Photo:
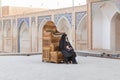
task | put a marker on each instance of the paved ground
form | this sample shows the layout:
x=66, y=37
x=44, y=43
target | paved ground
x=32, y=68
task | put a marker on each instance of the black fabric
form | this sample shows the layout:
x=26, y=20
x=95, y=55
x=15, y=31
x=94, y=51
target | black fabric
x=63, y=43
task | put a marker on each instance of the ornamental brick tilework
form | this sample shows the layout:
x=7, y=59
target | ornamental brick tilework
x=67, y=16
x=40, y=18
x=20, y=20
x=78, y=17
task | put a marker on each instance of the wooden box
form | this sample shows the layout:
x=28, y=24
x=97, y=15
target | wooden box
x=51, y=38
x=56, y=56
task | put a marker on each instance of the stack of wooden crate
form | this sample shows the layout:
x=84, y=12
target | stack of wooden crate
x=51, y=38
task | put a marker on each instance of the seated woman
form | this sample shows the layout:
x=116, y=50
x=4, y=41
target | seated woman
x=67, y=50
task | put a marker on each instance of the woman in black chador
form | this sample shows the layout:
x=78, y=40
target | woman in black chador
x=67, y=50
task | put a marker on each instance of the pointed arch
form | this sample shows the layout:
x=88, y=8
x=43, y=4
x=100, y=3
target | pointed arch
x=63, y=25
x=101, y=17
x=115, y=32
x=7, y=37
x=40, y=28
x=81, y=34
x=23, y=38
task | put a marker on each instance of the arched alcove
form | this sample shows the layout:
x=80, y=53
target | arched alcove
x=7, y=37
x=81, y=34
x=40, y=35
x=97, y=27
x=101, y=25
x=63, y=25
x=115, y=32
x=24, y=39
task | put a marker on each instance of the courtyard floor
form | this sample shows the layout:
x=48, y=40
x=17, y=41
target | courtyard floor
x=32, y=68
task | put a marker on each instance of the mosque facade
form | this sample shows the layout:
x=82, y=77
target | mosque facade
x=92, y=26
x=23, y=33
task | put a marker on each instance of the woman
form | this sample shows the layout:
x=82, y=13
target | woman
x=67, y=50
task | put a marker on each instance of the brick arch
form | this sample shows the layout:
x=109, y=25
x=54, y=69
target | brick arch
x=81, y=34
x=63, y=25
x=101, y=17
x=115, y=32
x=7, y=37
x=23, y=38
x=40, y=28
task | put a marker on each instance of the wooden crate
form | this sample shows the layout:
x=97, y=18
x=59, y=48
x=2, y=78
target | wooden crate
x=51, y=38
x=46, y=54
x=56, y=56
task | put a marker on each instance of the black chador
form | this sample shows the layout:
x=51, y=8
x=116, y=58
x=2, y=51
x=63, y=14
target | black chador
x=67, y=50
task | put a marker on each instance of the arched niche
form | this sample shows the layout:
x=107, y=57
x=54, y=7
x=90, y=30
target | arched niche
x=7, y=37
x=81, y=34
x=115, y=32
x=64, y=26
x=101, y=17
x=23, y=38
x=43, y=22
